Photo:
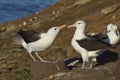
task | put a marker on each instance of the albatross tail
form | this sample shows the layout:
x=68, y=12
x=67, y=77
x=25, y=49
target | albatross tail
x=101, y=51
x=17, y=39
x=96, y=53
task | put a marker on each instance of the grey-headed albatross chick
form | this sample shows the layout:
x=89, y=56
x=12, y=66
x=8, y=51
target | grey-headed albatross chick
x=34, y=41
x=88, y=47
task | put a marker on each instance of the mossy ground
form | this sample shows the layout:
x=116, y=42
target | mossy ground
x=90, y=12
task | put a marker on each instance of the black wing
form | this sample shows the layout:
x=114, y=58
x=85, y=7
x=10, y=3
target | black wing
x=100, y=36
x=29, y=36
x=92, y=44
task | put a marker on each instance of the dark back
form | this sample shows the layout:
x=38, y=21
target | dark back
x=29, y=36
x=92, y=44
x=100, y=36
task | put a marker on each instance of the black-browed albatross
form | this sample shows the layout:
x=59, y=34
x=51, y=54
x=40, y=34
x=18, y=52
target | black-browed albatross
x=88, y=47
x=34, y=41
x=112, y=31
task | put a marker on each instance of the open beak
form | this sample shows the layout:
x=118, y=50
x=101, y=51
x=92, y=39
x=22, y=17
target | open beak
x=63, y=26
x=70, y=26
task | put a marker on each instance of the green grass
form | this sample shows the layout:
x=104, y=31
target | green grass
x=23, y=74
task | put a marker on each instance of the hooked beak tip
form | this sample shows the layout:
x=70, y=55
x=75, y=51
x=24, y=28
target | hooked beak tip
x=63, y=26
x=70, y=26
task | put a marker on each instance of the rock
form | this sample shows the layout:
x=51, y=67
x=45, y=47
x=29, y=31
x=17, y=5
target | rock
x=11, y=65
x=3, y=65
x=82, y=2
x=4, y=55
x=45, y=70
x=17, y=55
x=11, y=28
x=16, y=50
x=36, y=12
x=113, y=17
x=56, y=76
x=7, y=52
x=2, y=29
x=30, y=19
x=11, y=61
x=24, y=23
x=73, y=76
x=35, y=18
x=108, y=10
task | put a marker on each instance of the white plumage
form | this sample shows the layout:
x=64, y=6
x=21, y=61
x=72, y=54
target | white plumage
x=88, y=47
x=34, y=42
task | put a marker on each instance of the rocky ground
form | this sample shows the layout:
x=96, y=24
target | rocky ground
x=16, y=64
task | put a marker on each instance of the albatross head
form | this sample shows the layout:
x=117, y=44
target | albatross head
x=55, y=30
x=109, y=26
x=79, y=25
x=80, y=29
x=113, y=28
x=113, y=34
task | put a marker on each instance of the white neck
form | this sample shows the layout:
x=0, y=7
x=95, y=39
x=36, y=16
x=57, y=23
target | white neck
x=113, y=37
x=79, y=34
x=51, y=37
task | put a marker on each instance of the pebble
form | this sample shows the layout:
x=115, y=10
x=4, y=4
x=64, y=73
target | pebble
x=113, y=17
x=108, y=10
x=24, y=23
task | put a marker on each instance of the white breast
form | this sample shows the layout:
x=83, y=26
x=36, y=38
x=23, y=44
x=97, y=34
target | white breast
x=114, y=39
x=77, y=47
x=41, y=44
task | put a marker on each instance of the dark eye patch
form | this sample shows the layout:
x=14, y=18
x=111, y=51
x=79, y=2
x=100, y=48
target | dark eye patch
x=80, y=22
x=55, y=29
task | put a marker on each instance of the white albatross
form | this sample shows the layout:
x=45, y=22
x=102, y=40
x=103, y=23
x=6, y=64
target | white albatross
x=88, y=47
x=34, y=41
x=112, y=31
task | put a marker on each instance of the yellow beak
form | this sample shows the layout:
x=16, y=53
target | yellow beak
x=63, y=26
x=70, y=26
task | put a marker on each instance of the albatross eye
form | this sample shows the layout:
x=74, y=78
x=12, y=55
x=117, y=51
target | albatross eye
x=55, y=29
x=80, y=22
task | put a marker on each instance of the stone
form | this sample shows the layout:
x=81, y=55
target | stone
x=3, y=65
x=11, y=28
x=113, y=17
x=16, y=50
x=82, y=2
x=12, y=61
x=11, y=65
x=56, y=76
x=24, y=23
x=47, y=70
x=110, y=9
x=2, y=29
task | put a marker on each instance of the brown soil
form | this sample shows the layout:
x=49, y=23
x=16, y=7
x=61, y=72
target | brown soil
x=19, y=66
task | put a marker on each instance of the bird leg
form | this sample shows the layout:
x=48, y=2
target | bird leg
x=94, y=59
x=33, y=57
x=41, y=58
x=91, y=63
x=86, y=67
x=90, y=67
x=44, y=60
x=83, y=65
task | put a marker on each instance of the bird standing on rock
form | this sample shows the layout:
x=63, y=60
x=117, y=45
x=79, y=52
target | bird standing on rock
x=88, y=47
x=34, y=41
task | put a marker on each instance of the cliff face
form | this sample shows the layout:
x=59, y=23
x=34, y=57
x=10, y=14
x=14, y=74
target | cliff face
x=16, y=64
